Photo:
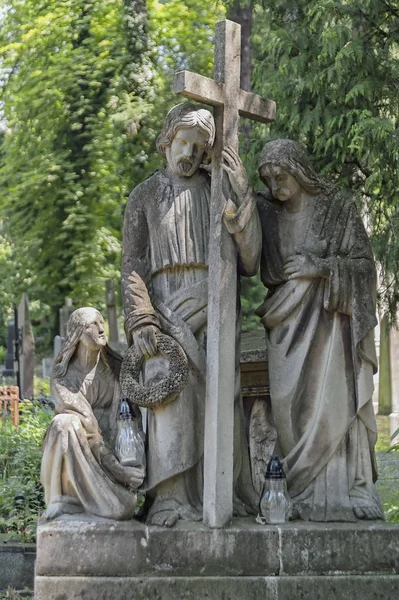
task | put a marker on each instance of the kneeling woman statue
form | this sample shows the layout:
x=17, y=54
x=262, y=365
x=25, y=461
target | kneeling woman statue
x=80, y=471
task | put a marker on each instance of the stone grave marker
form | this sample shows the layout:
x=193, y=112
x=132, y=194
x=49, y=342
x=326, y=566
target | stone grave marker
x=26, y=349
x=394, y=355
x=58, y=341
x=47, y=365
x=10, y=356
x=65, y=313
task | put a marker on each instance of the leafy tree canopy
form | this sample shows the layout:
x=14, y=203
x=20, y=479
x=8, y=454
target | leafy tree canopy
x=66, y=71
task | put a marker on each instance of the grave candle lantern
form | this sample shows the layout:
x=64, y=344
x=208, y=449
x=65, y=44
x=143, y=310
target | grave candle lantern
x=275, y=504
x=129, y=445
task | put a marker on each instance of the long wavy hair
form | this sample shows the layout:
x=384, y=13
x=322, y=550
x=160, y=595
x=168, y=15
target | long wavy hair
x=292, y=158
x=77, y=323
x=186, y=115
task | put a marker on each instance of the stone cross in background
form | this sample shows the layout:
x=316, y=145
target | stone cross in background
x=230, y=102
x=26, y=349
x=112, y=316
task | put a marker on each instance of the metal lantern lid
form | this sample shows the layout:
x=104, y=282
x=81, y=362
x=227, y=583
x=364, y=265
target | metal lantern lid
x=274, y=469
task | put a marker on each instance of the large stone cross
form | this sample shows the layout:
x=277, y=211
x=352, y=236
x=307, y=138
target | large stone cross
x=229, y=102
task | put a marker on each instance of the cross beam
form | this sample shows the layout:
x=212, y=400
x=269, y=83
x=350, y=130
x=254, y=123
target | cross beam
x=229, y=102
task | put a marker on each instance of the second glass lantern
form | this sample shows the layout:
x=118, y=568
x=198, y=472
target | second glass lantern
x=275, y=504
x=129, y=445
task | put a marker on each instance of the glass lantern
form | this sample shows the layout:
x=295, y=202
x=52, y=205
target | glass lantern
x=129, y=445
x=275, y=504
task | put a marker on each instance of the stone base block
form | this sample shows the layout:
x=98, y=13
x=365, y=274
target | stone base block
x=89, y=558
x=385, y=587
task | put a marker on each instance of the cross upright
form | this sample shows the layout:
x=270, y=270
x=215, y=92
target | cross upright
x=230, y=102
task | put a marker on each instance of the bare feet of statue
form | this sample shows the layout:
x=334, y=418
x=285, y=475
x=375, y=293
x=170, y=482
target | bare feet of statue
x=164, y=518
x=369, y=512
x=166, y=512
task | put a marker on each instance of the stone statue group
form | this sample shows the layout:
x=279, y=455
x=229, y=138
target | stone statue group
x=319, y=314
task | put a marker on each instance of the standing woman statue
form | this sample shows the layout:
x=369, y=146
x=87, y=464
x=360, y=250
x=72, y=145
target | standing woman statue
x=319, y=316
x=80, y=472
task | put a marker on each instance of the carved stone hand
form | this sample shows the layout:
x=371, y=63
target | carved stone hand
x=233, y=166
x=145, y=340
x=129, y=476
x=300, y=266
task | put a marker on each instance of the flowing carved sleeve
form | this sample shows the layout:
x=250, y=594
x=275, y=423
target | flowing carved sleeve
x=351, y=287
x=67, y=400
x=136, y=266
x=244, y=225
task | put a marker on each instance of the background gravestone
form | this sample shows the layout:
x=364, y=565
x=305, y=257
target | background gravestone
x=65, y=313
x=27, y=349
x=58, y=341
x=10, y=356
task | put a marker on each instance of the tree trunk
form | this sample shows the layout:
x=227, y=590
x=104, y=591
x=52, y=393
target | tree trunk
x=244, y=16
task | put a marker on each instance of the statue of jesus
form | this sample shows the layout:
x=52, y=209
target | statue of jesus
x=165, y=245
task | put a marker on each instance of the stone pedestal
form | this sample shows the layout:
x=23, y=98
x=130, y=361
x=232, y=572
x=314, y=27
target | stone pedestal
x=394, y=416
x=97, y=559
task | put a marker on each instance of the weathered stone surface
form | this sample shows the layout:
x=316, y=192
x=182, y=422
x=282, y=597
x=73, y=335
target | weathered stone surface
x=319, y=359
x=394, y=416
x=106, y=548
x=79, y=472
x=166, y=588
x=16, y=565
x=218, y=588
x=338, y=588
x=310, y=549
x=170, y=245
x=119, y=549
x=103, y=559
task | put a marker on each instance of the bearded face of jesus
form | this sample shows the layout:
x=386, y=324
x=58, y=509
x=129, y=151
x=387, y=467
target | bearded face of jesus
x=187, y=150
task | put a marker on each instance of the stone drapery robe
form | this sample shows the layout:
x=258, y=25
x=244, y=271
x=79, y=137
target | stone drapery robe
x=166, y=240
x=80, y=434
x=322, y=356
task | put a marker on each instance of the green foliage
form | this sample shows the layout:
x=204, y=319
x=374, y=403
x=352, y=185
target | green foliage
x=392, y=512
x=332, y=67
x=11, y=594
x=253, y=293
x=396, y=445
x=84, y=89
x=66, y=72
x=41, y=387
x=181, y=34
x=21, y=495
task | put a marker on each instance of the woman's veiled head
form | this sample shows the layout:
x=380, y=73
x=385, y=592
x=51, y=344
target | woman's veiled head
x=291, y=157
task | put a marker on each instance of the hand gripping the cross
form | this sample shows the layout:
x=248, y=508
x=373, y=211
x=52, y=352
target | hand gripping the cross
x=233, y=166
